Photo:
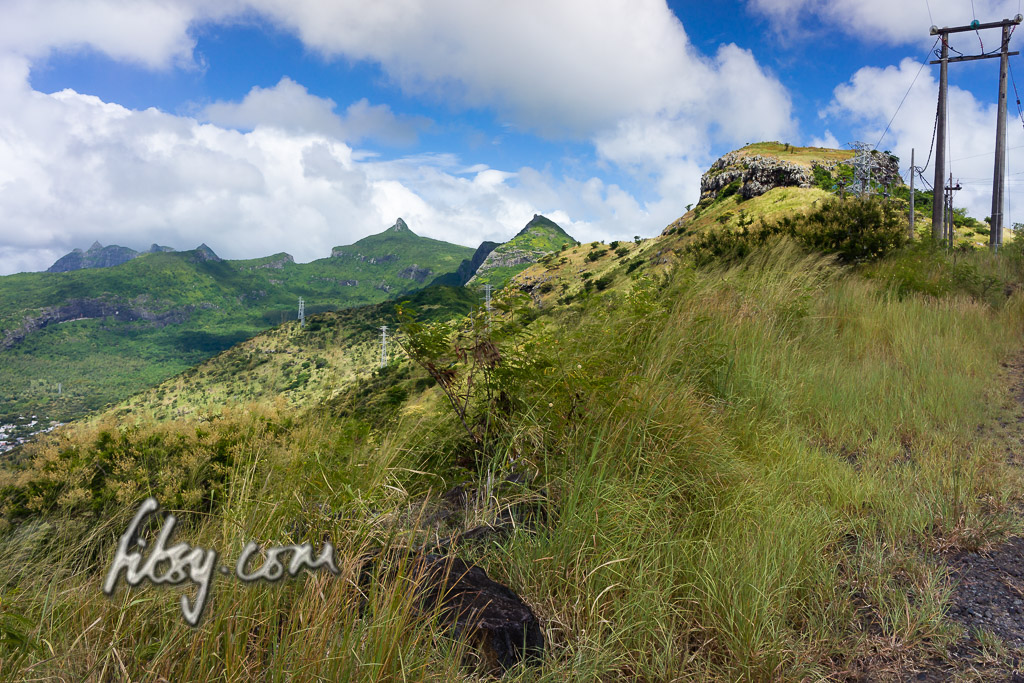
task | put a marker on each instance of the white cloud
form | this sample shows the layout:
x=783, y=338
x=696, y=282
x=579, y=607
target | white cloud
x=870, y=97
x=827, y=140
x=906, y=21
x=74, y=169
x=290, y=107
x=623, y=76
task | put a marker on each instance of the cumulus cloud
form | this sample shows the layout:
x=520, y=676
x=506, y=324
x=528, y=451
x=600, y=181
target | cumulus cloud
x=280, y=162
x=868, y=99
x=883, y=20
x=74, y=169
x=291, y=107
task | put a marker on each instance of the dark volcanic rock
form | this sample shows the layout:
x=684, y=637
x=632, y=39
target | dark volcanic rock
x=467, y=269
x=78, y=309
x=97, y=256
x=472, y=605
x=415, y=273
x=204, y=253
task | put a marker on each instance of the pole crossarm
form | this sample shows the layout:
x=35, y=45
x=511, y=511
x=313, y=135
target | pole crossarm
x=971, y=58
x=942, y=210
x=978, y=27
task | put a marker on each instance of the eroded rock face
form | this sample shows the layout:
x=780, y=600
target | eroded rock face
x=415, y=273
x=77, y=309
x=758, y=174
x=97, y=256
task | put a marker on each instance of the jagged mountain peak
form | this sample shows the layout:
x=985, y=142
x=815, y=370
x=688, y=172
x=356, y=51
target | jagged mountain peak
x=400, y=226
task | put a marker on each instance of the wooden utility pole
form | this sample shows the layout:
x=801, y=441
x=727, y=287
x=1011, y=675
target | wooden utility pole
x=913, y=170
x=938, y=200
x=999, y=178
x=995, y=235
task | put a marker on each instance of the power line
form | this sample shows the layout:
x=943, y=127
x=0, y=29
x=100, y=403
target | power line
x=906, y=94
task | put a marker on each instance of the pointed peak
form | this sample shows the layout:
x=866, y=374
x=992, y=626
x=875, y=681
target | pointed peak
x=399, y=226
x=204, y=253
x=539, y=221
x=96, y=246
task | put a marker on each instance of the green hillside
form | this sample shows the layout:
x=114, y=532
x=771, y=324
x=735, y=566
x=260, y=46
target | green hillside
x=73, y=342
x=540, y=236
x=768, y=450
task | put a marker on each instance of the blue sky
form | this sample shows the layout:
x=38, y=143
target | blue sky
x=259, y=126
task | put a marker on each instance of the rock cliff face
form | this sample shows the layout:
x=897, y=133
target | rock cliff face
x=415, y=273
x=97, y=256
x=467, y=269
x=758, y=174
x=78, y=309
x=540, y=236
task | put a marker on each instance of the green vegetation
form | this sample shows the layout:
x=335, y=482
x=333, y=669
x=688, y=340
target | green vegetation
x=540, y=236
x=735, y=454
x=160, y=313
x=741, y=467
x=804, y=156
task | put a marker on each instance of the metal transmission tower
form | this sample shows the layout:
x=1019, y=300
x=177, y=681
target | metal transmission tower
x=302, y=312
x=998, y=177
x=383, y=345
x=864, y=164
x=487, y=297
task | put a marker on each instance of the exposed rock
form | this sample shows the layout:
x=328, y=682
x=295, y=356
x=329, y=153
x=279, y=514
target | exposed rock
x=204, y=253
x=97, y=256
x=415, y=273
x=467, y=269
x=541, y=236
x=470, y=605
x=78, y=309
x=399, y=226
x=384, y=287
x=278, y=263
x=758, y=174
x=156, y=248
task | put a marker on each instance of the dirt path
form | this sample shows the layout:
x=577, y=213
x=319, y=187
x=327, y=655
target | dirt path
x=988, y=595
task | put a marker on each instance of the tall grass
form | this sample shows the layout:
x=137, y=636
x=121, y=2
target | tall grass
x=746, y=472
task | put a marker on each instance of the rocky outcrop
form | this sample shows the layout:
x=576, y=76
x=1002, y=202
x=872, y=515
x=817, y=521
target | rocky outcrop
x=415, y=273
x=467, y=269
x=278, y=263
x=541, y=236
x=757, y=174
x=97, y=256
x=80, y=309
x=204, y=253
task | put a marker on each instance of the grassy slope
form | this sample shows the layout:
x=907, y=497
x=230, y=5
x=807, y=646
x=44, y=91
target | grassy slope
x=747, y=470
x=100, y=362
x=803, y=156
x=299, y=366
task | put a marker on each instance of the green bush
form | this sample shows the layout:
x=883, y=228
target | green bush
x=854, y=229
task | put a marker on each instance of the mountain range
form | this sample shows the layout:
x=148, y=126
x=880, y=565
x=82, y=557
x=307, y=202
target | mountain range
x=103, y=323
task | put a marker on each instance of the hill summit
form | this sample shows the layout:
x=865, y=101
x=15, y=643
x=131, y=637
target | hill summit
x=539, y=237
